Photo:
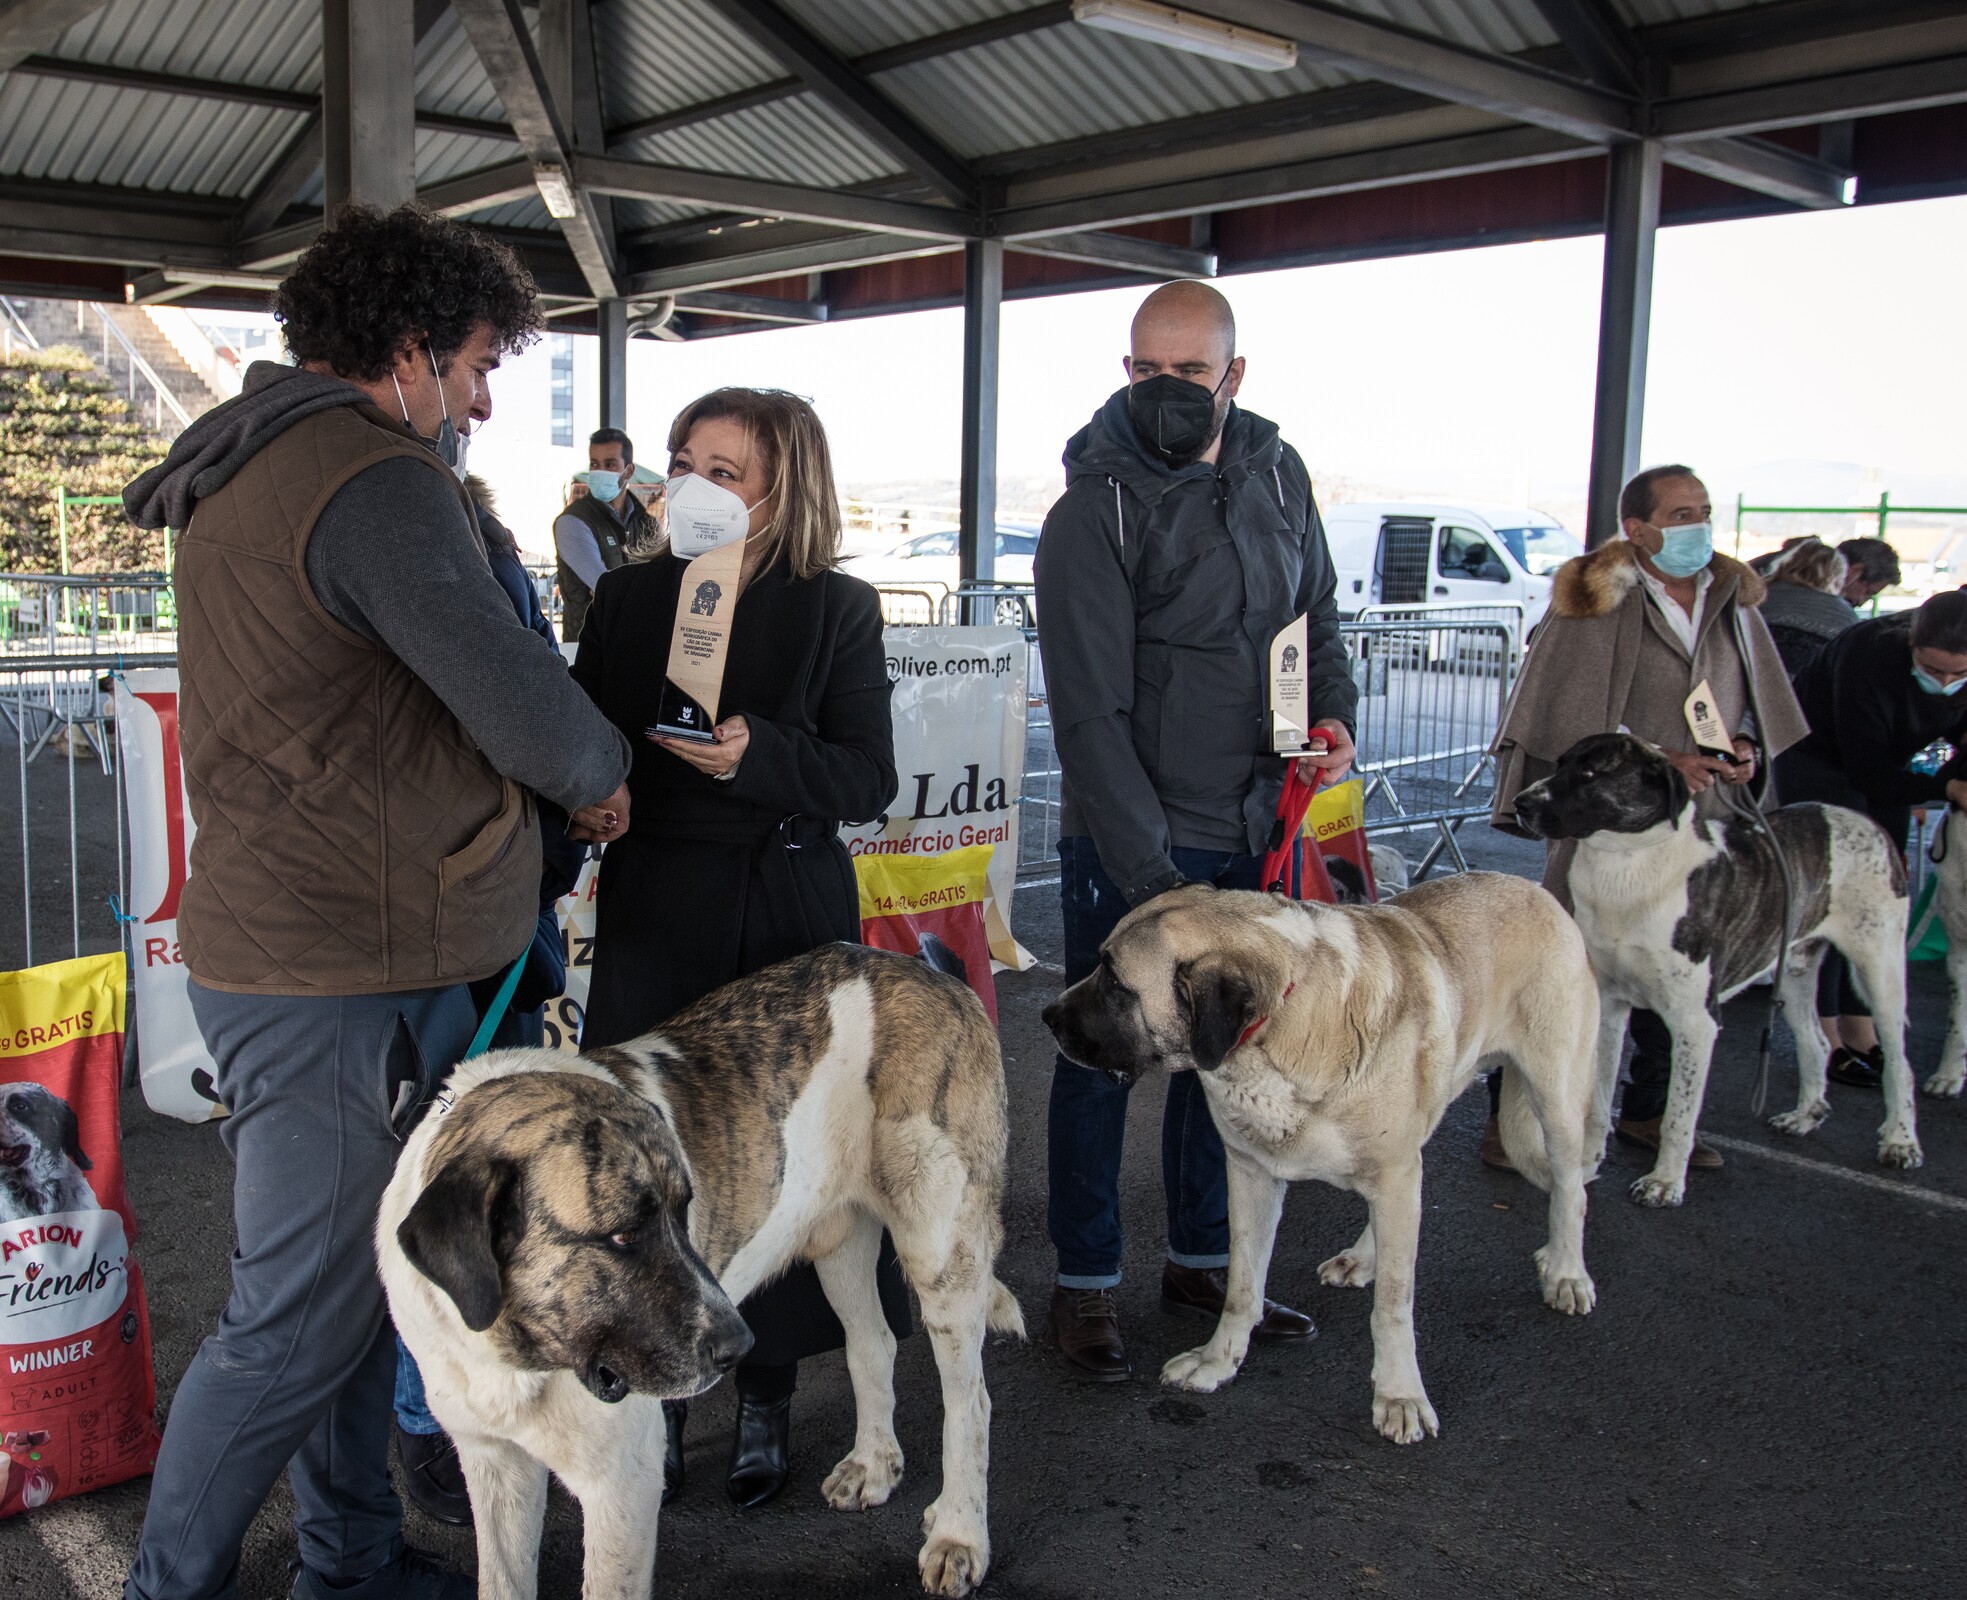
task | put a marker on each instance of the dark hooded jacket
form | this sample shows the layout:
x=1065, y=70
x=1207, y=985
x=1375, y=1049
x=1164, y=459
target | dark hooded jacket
x=1159, y=592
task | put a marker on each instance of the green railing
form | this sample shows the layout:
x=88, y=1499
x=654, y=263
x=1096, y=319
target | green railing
x=63, y=500
x=1881, y=512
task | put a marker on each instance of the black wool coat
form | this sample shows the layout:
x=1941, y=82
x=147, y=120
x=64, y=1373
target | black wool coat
x=716, y=880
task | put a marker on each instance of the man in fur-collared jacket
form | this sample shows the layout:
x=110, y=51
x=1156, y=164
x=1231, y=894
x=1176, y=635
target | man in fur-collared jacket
x=1633, y=629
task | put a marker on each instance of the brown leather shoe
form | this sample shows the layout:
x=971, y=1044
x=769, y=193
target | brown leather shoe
x=1086, y=1329
x=1198, y=1292
x=1647, y=1135
x=1493, y=1153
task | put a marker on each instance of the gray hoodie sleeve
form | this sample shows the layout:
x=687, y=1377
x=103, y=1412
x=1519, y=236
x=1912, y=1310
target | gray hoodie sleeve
x=1086, y=640
x=394, y=558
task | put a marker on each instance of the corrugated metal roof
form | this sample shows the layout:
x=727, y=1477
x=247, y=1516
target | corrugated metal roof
x=1647, y=13
x=1069, y=82
x=87, y=133
x=796, y=140
x=1505, y=26
x=450, y=77
x=231, y=41
x=658, y=58
x=860, y=27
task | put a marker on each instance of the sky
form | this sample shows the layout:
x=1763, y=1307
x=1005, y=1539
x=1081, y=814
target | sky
x=1809, y=356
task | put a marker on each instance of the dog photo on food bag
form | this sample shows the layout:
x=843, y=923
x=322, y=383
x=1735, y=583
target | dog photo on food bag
x=41, y=1156
x=565, y=1240
x=1330, y=1040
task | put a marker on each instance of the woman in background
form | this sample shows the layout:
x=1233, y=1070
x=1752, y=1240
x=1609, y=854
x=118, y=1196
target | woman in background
x=734, y=860
x=1806, y=608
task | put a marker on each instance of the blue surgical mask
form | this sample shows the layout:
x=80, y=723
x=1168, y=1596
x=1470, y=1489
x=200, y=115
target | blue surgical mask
x=1932, y=685
x=604, y=485
x=1685, y=548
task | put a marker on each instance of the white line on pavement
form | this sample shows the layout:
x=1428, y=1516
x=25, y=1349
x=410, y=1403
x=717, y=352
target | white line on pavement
x=1864, y=1180
x=1037, y=883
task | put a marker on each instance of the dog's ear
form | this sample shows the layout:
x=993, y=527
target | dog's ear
x=450, y=1232
x=1221, y=1004
x=69, y=1134
x=1678, y=796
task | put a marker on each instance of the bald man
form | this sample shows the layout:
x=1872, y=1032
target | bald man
x=1186, y=538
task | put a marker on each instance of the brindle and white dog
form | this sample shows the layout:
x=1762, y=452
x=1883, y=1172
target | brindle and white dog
x=1681, y=914
x=1330, y=1040
x=565, y=1239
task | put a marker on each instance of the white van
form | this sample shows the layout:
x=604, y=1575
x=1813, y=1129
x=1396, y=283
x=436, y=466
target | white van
x=1411, y=553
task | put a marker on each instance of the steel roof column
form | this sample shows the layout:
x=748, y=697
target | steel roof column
x=368, y=103
x=983, y=299
x=1632, y=219
x=611, y=321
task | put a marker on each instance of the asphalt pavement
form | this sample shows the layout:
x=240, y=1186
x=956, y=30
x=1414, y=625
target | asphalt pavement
x=1768, y=1400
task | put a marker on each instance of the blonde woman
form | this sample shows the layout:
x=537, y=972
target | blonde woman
x=1806, y=609
x=734, y=860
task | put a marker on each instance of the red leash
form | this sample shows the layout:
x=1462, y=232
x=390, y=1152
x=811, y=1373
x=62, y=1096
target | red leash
x=1283, y=854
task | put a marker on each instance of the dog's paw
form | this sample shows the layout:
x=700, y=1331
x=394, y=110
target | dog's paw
x=1656, y=1191
x=1199, y=1371
x=1804, y=1119
x=1945, y=1085
x=1405, y=1420
x=860, y=1482
x=1345, y=1271
x=1572, y=1293
x=1900, y=1150
x=951, y=1566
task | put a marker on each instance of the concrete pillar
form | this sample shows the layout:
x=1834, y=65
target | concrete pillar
x=368, y=102
x=983, y=299
x=612, y=324
x=1625, y=307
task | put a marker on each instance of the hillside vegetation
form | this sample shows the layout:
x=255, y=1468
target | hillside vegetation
x=62, y=424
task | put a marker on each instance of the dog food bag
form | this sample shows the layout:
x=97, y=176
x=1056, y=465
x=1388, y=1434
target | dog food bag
x=932, y=907
x=78, y=1399
x=1337, y=821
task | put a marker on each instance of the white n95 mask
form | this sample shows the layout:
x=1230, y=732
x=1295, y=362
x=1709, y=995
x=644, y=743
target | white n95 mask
x=702, y=515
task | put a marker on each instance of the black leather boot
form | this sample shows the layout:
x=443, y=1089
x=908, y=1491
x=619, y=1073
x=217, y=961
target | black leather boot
x=761, y=1452
x=674, y=1414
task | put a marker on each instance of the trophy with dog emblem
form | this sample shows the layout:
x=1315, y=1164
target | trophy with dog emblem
x=1290, y=714
x=701, y=636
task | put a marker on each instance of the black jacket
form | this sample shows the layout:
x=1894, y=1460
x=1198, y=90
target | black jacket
x=1868, y=718
x=1159, y=592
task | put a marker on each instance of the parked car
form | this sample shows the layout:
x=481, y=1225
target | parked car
x=928, y=562
x=1398, y=553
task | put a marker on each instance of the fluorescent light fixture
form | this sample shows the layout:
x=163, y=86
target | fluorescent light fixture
x=556, y=190
x=1185, y=30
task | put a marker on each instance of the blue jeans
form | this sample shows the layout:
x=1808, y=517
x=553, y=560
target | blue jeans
x=412, y=1410
x=1089, y=1110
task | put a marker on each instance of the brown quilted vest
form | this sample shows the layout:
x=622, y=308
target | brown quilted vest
x=614, y=540
x=351, y=839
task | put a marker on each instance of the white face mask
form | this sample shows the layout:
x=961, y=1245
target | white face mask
x=449, y=444
x=702, y=515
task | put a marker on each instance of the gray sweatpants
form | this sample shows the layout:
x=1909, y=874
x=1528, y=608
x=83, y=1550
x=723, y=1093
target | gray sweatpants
x=321, y=1093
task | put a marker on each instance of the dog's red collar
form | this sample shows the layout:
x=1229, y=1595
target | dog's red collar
x=1250, y=1032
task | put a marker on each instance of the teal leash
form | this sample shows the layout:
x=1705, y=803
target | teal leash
x=482, y=1039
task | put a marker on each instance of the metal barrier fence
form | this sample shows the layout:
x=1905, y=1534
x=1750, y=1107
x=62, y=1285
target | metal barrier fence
x=1433, y=682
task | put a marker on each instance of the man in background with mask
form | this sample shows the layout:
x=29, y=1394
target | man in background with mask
x=1634, y=628
x=1187, y=538
x=364, y=721
x=596, y=531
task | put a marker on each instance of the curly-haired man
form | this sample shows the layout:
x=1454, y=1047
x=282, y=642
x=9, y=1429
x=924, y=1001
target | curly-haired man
x=364, y=724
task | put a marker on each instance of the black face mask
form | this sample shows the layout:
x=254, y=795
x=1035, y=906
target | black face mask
x=1175, y=419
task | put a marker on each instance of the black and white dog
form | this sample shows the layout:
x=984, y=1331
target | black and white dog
x=41, y=1158
x=1680, y=914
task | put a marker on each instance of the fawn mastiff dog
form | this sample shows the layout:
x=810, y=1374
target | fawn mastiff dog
x=1330, y=1040
x=566, y=1238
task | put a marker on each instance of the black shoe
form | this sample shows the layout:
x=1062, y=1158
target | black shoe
x=1857, y=1069
x=433, y=1477
x=674, y=1413
x=761, y=1452
x=411, y=1576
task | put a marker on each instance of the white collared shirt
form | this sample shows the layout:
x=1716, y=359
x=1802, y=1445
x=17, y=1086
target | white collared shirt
x=1686, y=625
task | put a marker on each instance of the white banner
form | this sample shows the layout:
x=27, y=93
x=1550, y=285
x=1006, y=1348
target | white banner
x=173, y=1065
x=959, y=710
